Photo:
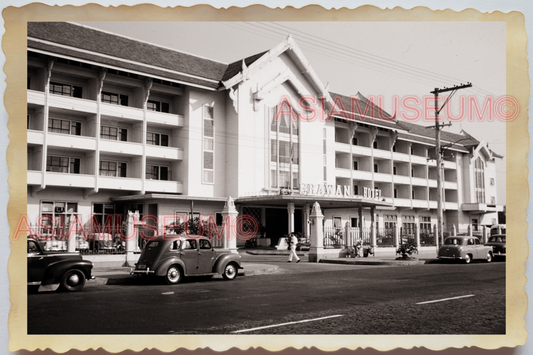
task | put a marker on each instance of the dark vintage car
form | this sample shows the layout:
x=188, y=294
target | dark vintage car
x=48, y=271
x=466, y=248
x=174, y=257
x=497, y=242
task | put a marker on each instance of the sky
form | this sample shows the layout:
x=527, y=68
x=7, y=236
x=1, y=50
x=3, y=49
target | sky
x=386, y=60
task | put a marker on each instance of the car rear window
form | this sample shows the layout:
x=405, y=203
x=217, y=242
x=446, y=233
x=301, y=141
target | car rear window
x=152, y=245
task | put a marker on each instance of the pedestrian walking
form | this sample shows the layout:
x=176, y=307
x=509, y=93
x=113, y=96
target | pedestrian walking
x=293, y=241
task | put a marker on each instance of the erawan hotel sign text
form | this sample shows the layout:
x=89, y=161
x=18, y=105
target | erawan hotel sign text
x=339, y=191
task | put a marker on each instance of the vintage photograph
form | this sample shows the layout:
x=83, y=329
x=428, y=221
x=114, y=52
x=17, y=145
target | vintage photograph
x=253, y=178
x=266, y=178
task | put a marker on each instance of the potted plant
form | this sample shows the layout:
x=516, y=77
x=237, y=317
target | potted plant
x=406, y=249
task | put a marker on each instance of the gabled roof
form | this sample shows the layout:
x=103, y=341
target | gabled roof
x=235, y=67
x=90, y=44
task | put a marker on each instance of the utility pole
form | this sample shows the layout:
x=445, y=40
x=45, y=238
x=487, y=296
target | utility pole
x=438, y=126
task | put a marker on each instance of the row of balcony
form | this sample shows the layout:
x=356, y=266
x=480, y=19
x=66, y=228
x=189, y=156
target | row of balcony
x=104, y=182
x=106, y=109
x=108, y=146
x=389, y=178
x=430, y=204
x=386, y=154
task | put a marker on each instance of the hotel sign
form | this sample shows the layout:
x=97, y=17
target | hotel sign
x=338, y=191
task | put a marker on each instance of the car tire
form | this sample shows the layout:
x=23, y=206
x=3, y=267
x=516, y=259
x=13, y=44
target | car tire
x=489, y=257
x=73, y=280
x=468, y=258
x=230, y=271
x=174, y=275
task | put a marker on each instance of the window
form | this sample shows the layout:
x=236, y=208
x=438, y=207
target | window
x=284, y=147
x=157, y=139
x=475, y=224
x=393, y=170
x=114, y=133
x=479, y=172
x=491, y=181
x=413, y=194
x=411, y=150
x=353, y=222
x=493, y=200
x=355, y=165
x=65, y=165
x=158, y=106
x=57, y=216
x=375, y=168
x=356, y=190
x=209, y=145
x=56, y=125
x=111, y=168
x=375, y=145
x=105, y=216
x=116, y=99
x=65, y=89
x=413, y=172
x=390, y=221
x=354, y=141
x=155, y=172
x=337, y=222
x=395, y=193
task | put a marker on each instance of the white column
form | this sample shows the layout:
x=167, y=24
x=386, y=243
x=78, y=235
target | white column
x=417, y=231
x=290, y=210
x=373, y=226
x=316, y=252
x=229, y=216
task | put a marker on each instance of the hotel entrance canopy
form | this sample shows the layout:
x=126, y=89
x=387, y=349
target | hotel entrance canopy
x=323, y=201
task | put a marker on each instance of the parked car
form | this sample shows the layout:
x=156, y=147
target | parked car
x=176, y=256
x=50, y=271
x=465, y=248
x=497, y=242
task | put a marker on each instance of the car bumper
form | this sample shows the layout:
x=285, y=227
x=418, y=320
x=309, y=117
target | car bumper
x=141, y=272
x=449, y=257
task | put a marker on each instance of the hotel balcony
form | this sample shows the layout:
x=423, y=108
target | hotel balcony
x=449, y=165
x=384, y=154
x=450, y=185
x=382, y=177
x=35, y=137
x=154, y=151
x=73, y=180
x=419, y=181
x=71, y=141
x=415, y=159
x=166, y=119
x=451, y=205
x=400, y=156
x=164, y=186
x=35, y=97
x=71, y=103
x=361, y=175
x=121, y=111
x=420, y=204
x=129, y=148
x=481, y=207
x=119, y=183
x=400, y=179
x=402, y=202
x=34, y=177
x=433, y=204
x=360, y=150
x=342, y=173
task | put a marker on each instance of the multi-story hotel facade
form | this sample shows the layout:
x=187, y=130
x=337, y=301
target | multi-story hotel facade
x=116, y=125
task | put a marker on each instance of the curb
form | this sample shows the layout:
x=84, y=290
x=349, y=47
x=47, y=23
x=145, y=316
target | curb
x=373, y=262
x=274, y=252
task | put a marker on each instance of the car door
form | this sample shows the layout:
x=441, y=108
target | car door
x=480, y=249
x=37, y=263
x=189, y=256
x=206, y=257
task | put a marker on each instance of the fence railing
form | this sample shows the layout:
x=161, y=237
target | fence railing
x=385, y=237
x=334, y=237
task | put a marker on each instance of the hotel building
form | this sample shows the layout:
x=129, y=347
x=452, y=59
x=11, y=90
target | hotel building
x=118, y=125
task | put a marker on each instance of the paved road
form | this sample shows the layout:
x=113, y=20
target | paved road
x=305, y=290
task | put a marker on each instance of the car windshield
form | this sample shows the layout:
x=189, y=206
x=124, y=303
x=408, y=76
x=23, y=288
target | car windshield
x=497, y=239
x=152, y=244
x=451, y=241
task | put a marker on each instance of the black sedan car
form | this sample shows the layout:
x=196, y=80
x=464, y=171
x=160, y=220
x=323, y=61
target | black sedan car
x=497, y=242
x=50, y=271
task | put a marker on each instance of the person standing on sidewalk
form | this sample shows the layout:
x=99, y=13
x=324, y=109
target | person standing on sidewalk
x=293, y=241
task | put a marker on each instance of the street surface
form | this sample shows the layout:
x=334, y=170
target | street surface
x=331, y=299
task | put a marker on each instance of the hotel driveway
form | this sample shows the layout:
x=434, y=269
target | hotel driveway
x=309, y=291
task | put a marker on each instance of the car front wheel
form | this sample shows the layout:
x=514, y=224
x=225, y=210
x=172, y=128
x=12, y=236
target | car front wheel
x=73, y=280
x=173, y=275
x=468, y=259
x=230, y=272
